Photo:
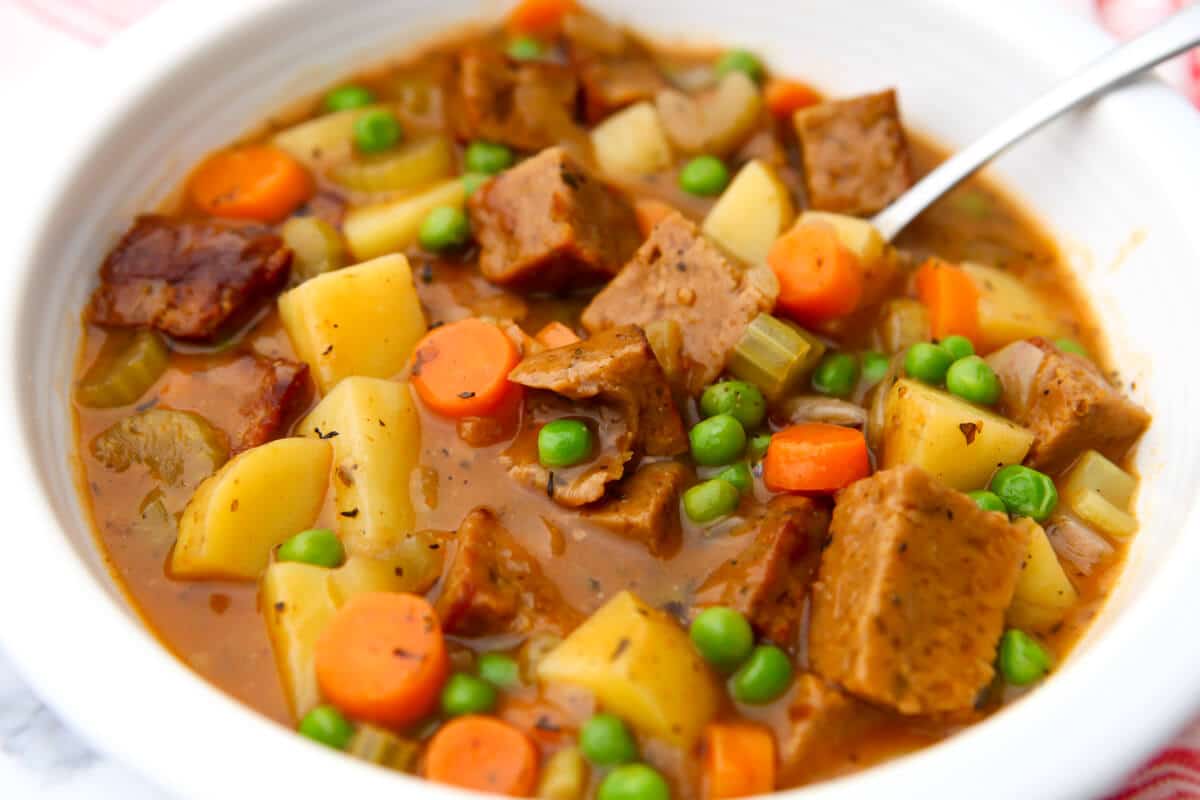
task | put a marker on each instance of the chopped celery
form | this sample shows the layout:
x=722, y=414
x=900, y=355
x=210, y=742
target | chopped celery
x=1096, y=510
x=1099, y=492
x=179, y=448
x=316, y=247
x=384, y=748
x=121, y=375
x=774, y=355
x=902, y=323
x=411, y=166
x=564, y=777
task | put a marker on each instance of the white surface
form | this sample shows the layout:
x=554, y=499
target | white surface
x=1123, y=166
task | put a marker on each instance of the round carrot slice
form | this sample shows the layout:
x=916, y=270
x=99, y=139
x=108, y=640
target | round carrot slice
x=259, y=183
x=819, y=279
x=461, y=369
x=484, y=754
x=383, y=658
x=815, y=457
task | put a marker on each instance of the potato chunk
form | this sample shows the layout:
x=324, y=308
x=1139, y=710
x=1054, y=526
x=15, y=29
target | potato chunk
x=632, y=143
x=641, y=666
x=254, y=503
x=956, y=442
x=1008, y=309
x=1044, y=593
x=858, y=236
x=751, y=214
x=373, y=427
x=389, y=227
x=363, y=320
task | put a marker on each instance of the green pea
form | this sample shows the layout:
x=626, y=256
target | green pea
x=723, y=637
x=836, y=375
x=605, y=740
x=988, y=501
x=739, y=475
x=1025, y=492
x=741, y=61
x=466, y=694
x=758, y=446
x=958, y=346
x=634, y=782
x=376, y=131
x=1022, y=659
x=444, y=228
x=1072, y=346
x=711, y=500
x=564, y=443
x=499, y=670
x=742, y=401
x=717, y=440
x=705, y=176
x=319, y=546
x=765, y=676
x=927, y=362
x=874, y=366
x=347, y=97
x=525, y=48
x=473, y=180
x=973, y=380
x=489, y=158
x=325, y=724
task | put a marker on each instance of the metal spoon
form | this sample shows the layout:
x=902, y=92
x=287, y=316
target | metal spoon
x=1179, y=33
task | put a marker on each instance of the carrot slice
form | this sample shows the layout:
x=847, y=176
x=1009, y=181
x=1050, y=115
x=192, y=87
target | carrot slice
x=815, y=457
x=556, y=335
x=461, y=369
x=482, y=753
x=259, y=183
x=952, y=299
x=785, y=98
x=539, y=16
x=650, y=213
x=819, y=278
x=739, y=761
x=383, y=658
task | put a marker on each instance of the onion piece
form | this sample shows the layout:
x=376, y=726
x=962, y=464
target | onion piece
x=877, y=402
x=818, y=408
x=1017, y=365
x=1077, y=544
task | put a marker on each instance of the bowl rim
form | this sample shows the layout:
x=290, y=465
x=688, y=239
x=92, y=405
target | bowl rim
x=125, y=661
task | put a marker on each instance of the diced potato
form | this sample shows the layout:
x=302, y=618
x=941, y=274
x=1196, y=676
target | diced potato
x=902, y=323
x=1044, y=593
x=383, y=228
x=256, y=501
x=378, y=438
x=715, y=121
x=316, y=247
x=858, y=236
x=641, y=666
x=751, y=214
x=328, y=139
x=362, y=320
x=1008, y=309
x=564, y=776
x=956, y=442
x=298, y=600
x=412, y=166
x=1099, y=492
x=632, y=143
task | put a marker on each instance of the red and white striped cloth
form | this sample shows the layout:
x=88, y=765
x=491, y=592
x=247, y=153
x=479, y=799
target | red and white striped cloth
x=36, y=33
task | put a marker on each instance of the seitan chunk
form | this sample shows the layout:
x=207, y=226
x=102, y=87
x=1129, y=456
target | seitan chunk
x=855, y=153
x=645, y=507
x=768, y=580
x=824, y=724
x=680, y=275
x=546, y=225
x=191, y=280
x=911, y=594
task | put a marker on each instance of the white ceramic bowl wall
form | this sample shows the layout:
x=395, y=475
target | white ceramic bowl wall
x=198, y=74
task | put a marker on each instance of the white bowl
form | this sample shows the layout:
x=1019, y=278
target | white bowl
x=198, y=74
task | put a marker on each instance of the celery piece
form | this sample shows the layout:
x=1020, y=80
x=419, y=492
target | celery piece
x=316, y=247
x=774, y=355
x=179, y=448
x=384, y=748
x=412, y=166
x=120, y=377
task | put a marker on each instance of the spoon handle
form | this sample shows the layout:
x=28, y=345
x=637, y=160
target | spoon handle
x=1179, y=33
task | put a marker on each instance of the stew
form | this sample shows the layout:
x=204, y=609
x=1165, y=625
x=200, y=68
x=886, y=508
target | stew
x=541, y=414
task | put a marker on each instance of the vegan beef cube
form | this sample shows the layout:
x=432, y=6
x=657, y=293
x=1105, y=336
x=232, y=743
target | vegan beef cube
x=525, y=105
x=644, y=507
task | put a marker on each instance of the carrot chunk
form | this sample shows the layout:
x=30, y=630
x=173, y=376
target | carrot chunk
x=542, y=17
x=739, y=761
x=649, y=213
x=259, y=183
x=951, y=298
x=819, y=278
x=556, y=334
x=461, y=369
x=383, y=658
x=785, y=98
x=484, y=754
x=815, y=457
